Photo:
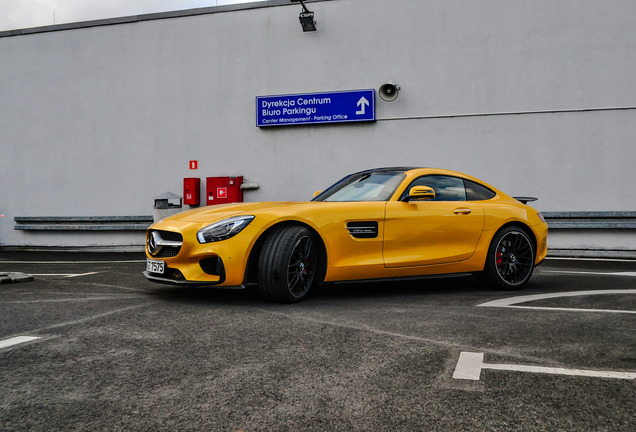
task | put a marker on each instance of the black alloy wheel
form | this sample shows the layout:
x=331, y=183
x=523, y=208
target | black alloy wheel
x=302, y=266
x=288, y=264
x=510, y=260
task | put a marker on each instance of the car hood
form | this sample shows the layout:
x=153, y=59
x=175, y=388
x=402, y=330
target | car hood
x=218, y=212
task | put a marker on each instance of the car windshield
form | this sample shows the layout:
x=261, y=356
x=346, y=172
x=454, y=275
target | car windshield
x=365, y=186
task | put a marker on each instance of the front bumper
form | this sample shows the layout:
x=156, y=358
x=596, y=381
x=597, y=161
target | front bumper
x=221, y=264
x=153, y=277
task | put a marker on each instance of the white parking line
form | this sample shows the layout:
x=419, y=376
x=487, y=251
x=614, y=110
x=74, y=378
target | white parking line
x=16, y=340
x=114, y=297
x=67, y=275
x=512, y=302
x=631, y=274
x=73, y=262
x=470, y=365
x=82, y=274
x=589, y=259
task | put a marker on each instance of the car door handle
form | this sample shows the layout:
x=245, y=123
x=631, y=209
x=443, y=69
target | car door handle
x=462, y=211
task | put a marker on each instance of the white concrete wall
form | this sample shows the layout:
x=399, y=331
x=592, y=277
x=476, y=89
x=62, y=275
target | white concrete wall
x=98, y=120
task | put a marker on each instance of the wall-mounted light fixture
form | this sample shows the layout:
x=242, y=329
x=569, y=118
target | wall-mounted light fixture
x=306, y=17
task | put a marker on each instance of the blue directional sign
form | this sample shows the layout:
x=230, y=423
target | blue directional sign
x=331, y=107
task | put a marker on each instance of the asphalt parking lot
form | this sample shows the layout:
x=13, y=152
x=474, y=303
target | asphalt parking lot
x=89, y=344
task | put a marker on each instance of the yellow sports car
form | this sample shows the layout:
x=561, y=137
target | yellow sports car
x=376, y=224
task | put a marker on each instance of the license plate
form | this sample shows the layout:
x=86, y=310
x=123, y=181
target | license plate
x=154, y=266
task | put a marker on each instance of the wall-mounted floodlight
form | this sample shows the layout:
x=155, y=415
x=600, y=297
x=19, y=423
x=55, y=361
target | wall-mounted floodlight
x=306, y=17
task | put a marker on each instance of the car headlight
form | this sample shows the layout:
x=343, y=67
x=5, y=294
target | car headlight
x=224, y=229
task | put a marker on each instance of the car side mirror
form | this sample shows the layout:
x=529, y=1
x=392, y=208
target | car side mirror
x=317, y=193
x=420, y=193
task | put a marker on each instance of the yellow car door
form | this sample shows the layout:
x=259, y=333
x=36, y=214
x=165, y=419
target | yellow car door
x=431, y=232
x=440, y=230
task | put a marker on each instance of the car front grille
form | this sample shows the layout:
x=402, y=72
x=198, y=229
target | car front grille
x=168, y=252
x=164, y=244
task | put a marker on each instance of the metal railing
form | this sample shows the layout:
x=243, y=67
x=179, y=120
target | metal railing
x=82, y=223
x=591, y=220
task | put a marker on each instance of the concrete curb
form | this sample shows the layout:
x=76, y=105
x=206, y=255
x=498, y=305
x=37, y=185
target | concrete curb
x=14, y=277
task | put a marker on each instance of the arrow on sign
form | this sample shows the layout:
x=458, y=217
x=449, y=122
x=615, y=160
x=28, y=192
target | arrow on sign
x=362, y=103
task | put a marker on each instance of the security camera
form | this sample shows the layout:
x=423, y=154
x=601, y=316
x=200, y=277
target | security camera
x=389, y=91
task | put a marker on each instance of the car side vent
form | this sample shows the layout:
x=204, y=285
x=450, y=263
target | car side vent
x=364, y=229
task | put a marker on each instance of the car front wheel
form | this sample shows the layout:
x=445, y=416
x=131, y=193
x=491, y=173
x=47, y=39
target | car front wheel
x=288, y=264
x=510, y=260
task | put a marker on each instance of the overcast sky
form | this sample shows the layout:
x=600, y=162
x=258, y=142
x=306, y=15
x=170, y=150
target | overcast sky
x=18, y=14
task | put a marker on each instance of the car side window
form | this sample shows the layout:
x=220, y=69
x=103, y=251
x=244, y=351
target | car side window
x=446, y=188
x=477, y=192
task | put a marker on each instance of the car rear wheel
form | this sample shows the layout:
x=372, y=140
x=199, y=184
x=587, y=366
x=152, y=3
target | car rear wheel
x=510, y=260
x=288, y=264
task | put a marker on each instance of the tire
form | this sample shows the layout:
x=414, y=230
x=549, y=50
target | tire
x=288, y=264
x=510, y=259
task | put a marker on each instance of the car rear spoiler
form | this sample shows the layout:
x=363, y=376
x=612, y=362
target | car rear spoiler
x=525, y=200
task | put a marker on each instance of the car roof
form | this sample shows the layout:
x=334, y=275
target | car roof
x=387, y=169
